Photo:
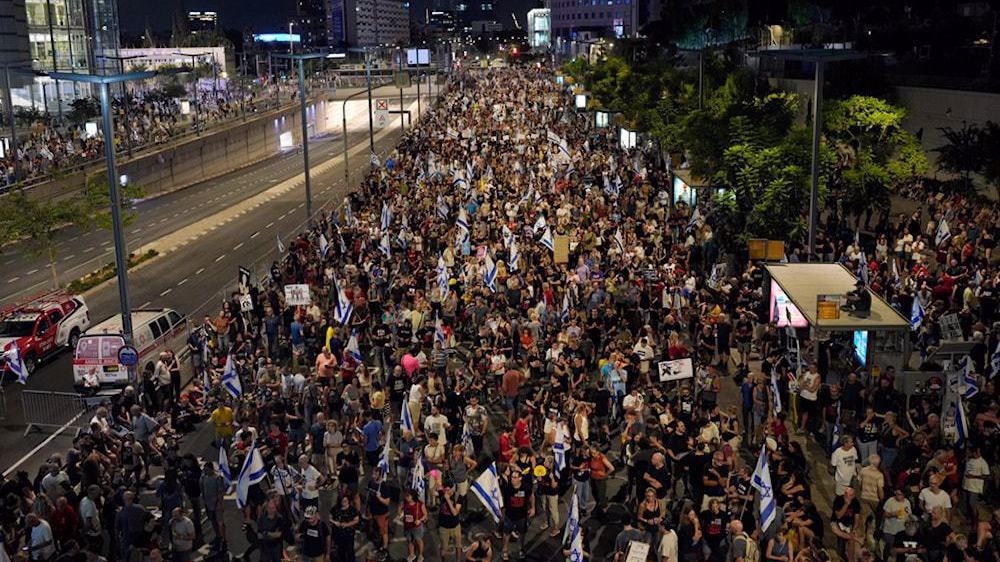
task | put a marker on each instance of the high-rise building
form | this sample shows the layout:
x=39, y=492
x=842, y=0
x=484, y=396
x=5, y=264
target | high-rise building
x=574, y=20
x=312, y=22
x=14, y=37
x=369, y=22
x=539, y=28
x=201, y=22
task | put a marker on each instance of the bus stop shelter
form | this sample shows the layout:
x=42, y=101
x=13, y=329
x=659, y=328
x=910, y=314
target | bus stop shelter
x=808, y=296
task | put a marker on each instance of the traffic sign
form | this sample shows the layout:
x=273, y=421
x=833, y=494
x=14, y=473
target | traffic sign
x=128, y=356
x=381, y=112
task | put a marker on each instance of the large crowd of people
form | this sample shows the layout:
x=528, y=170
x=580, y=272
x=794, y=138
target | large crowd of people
x=465, y=355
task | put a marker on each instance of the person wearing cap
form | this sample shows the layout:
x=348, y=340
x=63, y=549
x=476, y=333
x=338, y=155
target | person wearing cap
x=313, y=536
x=859, y=301
x=182, y=536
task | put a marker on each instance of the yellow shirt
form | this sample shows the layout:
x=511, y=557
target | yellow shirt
x=222, y=417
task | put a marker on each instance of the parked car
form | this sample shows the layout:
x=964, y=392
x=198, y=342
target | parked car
x=42, y=326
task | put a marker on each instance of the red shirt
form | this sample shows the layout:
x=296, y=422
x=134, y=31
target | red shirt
x=506, y=451
x=521, y=436
x=411, y=513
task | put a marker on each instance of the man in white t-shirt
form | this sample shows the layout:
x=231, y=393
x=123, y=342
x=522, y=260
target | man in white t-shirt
x=809, y=384
x=977, y=470
x=90, y=517
x=41, y=544
x=845, y=464
x=668, y=546
x=312, y=479
x=437, y=424
x=933, y=496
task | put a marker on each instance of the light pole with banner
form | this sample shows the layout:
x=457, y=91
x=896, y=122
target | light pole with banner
x=301, y=58
x=121, y=260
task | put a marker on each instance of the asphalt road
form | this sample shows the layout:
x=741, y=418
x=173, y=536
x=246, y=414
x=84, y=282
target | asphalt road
x=81, y=251
x=193, y=278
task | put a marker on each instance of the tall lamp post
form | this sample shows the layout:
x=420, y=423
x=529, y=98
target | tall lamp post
x=197, y=104
x=301, y=58
x=819, y=58
x=121, y=261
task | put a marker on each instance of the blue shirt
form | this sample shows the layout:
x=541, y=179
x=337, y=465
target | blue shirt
x=372, y=431
x=296, y=333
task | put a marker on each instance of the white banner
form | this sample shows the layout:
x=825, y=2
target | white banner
x=297, y=295
x=676, y=370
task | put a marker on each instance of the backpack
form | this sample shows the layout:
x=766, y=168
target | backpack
x=752, y=552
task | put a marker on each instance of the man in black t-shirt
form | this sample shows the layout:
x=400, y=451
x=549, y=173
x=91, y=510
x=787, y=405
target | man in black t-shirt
x=909, y=543
x=518, y=508
x=657, y=475
x=449, y=523
x=314, y=536
x=844, y=521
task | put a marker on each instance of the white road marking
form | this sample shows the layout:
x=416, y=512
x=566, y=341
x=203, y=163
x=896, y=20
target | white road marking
x=165, y=293
x=137, y=231
x=32, y=272
x=254, y=235
x=90, y=249
x=199, y=271
x=218, y=259
x=185, y=280
x=12, y=279
x=41, y=445
x=8, y=262
x=69, y=257
x=238, y=246
x=269, y=225
x=164, y=219
x=145, y=304
x=282, y=217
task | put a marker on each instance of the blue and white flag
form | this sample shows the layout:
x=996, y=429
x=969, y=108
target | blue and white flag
x=442, y=208
x=761, y=481
x=619, y=241
x=206, y=383
x=487, y=489
x=348, y=212
x=514, y=259
x=540, y=224
x=385, y=246
x=383, y=460
x=547, y=240
x=439, y=333
x=968, y=383
x=253, y=471
x=943, y=233
x=386, y=216
x=559, y=449
x=16, y=363
x=352, y=348
x=565, y=310
x=916, y=314
x=572, y=530
x=506, y=235
x=231, y=378
x=490, y=273
x=442, y=277
x=281, y=247
x=405, y=421
x=863, y=268
x=470, y=449
x=343, y=309
x=895, y=273
x=324, y=245
x=776, y=393
x=418, y=481
x=961, y=424
x=995, y=361
x=227, y=476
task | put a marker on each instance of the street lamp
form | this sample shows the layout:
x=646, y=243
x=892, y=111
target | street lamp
x=121, y=261
x=215, y=85
x=819, y=58
x=305, y=125
x=121, y=69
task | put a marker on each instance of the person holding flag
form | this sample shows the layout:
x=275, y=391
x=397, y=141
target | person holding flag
x=15, y=363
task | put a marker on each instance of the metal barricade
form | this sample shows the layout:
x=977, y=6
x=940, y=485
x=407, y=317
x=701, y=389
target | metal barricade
x=60, y=410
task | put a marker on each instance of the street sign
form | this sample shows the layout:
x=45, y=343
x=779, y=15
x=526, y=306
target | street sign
x=128, y=356
x=381, y=112
x=401, y=79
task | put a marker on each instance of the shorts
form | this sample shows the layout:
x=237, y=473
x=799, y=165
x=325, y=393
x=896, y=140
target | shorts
x=807, y=406
x=450, y=538
x=510, y=403
x=514, y=525
x=382, y=521
x=415, y=534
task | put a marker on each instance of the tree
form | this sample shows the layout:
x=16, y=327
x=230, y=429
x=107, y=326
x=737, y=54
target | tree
x=37, y=222
x=963, y=155
x=95, y=204
x=990, y=140
x=84, y=109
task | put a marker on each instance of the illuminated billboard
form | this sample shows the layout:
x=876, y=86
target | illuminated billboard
x=782, y=309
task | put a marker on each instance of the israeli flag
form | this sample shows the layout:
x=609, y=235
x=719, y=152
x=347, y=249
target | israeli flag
x=487, y=489
x=206, y=384
x=405, y=421
x=490, y=273
x=442, y=278
x=619, y=241
x=571, y=533
x=514, y=259
x=969, y=383
x=916, y=314
x=343, y=309
x=995, y=361
x=761, y=481
x=374, y=159
x=324, y=245
x=16, y=363
x=417, y=478
x=253, y=471
x=470, y=449
x=352, y=348
x=547, y=240
x=776, y=393
x=386, y=216
x=231, y=378
x=227, y=476
x=961, y=424
x=462, y=222
x=439, y=333
x=540, y=224
x=836, y=433
x=895, y=272
x=559, y=449
x=385, y=246
x=863, y=268
x=695, y=221
x=564, y=312
x=943, y=233
x=507, y=235
x=348, y=212
x=383, y=461
x=442, y=208
x=281, y=247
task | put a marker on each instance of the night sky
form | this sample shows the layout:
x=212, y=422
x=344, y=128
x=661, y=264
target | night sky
x=259, y=15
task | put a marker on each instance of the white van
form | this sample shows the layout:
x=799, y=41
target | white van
x=153, y=331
